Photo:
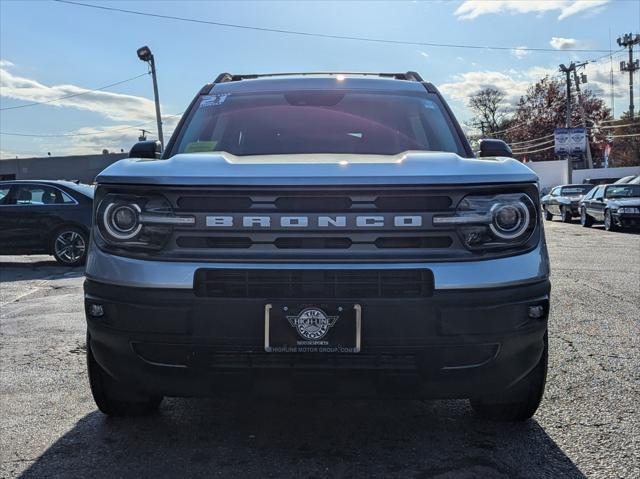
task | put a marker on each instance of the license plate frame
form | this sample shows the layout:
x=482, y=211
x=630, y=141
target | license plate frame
x=291, y=327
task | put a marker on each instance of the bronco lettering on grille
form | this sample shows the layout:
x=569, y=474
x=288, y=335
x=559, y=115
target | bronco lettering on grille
x=315, y=221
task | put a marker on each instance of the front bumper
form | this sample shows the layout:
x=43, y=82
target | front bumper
x=454, y=344
x=530, y=267
x=627, y=220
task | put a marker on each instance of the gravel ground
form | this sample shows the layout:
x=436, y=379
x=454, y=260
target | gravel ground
x=587, y=424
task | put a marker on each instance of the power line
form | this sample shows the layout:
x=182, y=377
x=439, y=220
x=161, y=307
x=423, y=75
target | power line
x=625, y=136
x=74, y=94
x=100, y=132
x=616, y=126
x=533, y=151
x=324, y=35
x=532, y=140
x=535, y=145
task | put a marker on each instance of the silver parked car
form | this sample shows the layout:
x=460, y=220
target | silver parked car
x=326, y=235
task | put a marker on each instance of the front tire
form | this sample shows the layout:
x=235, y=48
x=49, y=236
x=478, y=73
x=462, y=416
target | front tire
x=69, y=246
x=609, y=223
x=565, y=214
x=547, y=216
x=112, y=397
x=519, y=402
x=585, y=219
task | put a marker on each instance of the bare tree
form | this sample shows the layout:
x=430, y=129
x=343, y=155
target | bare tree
x=489, y=110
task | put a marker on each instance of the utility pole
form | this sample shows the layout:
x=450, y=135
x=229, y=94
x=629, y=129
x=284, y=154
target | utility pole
x=628, y=41
x=567, y=71
x=583, y=115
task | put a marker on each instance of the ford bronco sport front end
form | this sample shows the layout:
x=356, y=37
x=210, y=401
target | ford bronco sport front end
x=319, y=235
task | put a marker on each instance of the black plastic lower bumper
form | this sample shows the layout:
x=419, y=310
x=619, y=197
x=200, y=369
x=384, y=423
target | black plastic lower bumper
x=627, y=220
x=454, y=344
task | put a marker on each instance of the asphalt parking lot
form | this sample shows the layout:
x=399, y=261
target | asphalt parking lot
x=587, y=424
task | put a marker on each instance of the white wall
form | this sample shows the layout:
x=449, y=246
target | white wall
x=551, y=173
x=554, y=173
x=580, y=175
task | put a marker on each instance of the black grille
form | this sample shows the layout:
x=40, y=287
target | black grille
x=292, y=283
x=311, y=201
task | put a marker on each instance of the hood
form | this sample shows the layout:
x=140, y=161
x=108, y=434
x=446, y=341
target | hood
x=633, y=201
x=408, y=168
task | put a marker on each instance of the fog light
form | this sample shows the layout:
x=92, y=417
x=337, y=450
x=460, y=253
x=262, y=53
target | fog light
x=536, y=312
x=96, y=310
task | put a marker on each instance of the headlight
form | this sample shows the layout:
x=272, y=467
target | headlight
x=628, y=209
x=122, y=221
x=137, y=222
x=493, y=221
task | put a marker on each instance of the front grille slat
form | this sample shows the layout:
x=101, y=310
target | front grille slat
x=413, y=283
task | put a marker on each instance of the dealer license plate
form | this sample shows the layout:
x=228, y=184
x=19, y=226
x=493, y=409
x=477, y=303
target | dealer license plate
x=312, y=327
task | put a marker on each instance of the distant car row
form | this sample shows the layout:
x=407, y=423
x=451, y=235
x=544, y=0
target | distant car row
x=616, y=205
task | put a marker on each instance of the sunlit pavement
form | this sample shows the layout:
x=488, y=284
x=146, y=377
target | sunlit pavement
x=586, y=426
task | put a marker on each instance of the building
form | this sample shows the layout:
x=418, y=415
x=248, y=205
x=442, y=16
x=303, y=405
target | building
x=83, y=168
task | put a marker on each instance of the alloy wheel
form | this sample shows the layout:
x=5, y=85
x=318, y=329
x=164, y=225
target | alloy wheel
x=70, y=246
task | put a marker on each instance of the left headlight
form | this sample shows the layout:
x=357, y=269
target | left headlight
x=493, y=221
x=137, y=222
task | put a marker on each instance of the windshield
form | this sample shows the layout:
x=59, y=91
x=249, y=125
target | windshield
x=622, y=191
x=298, y=122
x=86, y=190
x=576, y=190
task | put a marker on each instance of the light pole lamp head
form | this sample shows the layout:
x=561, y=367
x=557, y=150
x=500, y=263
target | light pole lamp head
x=144, y=54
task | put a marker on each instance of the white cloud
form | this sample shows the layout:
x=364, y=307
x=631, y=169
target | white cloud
x=581, y=5
x=520, y=52
x=599, y=81
x=115, y=106
x=560, y=43
x=514, y=84
x=424, y=54
x=471, y=9
x=112, y=137
x=132, y=113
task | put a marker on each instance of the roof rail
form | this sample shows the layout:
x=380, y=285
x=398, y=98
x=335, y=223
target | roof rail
x=227, y=77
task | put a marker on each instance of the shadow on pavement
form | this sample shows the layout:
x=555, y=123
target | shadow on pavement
x=208, y=438
x=38, y=269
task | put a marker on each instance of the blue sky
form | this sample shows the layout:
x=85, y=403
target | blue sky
x=50, y=49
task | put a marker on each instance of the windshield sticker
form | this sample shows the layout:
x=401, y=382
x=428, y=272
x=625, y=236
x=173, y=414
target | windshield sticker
x=213, y=100
x=429, y=104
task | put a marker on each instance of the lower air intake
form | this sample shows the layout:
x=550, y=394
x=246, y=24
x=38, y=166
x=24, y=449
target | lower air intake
x=292, y=283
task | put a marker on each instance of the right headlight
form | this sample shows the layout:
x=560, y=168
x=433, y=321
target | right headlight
x=493, y=221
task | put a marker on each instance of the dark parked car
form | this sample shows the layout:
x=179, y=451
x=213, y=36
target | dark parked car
x=563, y=201
x=618, y=206
x=49, y=217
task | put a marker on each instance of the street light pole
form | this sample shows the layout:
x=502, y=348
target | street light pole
x=144, y=54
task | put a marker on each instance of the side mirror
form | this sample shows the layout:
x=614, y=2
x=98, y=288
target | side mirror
x=491, y=147
x=146, y=149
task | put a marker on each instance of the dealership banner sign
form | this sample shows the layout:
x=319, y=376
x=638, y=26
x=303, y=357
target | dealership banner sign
x=570, y=141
